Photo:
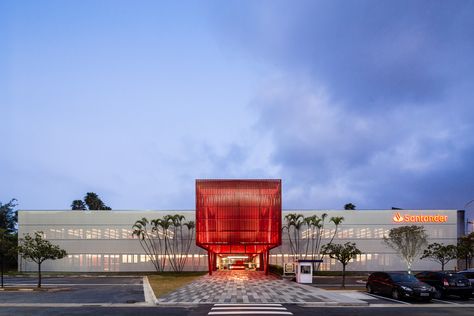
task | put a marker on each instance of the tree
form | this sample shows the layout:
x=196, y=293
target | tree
x=38, y=249
x=294, y=222
x=177, y=247
x=78, y=205
x=91, y=202
x=152, y=241
x=94, y=202
x=8, y=244
x=310, y=239
x=440, y=253
x=349, y=206
x=343, y=254
x=168, y=237
x=408, y=242
x=8, y=236
x=466, y=249
x=8, y=216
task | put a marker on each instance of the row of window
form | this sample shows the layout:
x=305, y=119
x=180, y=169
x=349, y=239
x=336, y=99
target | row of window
x=365, y=232
x=370, y=232
x=115, y=262
x=198, y=262
x=101, y=233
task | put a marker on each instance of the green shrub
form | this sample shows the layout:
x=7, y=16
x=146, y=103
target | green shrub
x=276, y=269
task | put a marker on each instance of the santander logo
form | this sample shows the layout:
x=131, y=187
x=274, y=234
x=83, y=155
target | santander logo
x=397, y=217
x=407, y=218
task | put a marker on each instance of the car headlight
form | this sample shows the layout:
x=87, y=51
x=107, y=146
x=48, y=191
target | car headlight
x=406, y=288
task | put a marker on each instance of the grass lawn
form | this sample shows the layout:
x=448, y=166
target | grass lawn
x=167, y=282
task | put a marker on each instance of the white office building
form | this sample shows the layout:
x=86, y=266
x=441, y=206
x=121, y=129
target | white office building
x=98, y=241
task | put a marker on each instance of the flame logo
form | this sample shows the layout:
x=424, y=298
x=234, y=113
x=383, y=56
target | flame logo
x=397, y=218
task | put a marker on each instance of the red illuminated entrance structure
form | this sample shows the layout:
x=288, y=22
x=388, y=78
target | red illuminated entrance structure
x=238, y=217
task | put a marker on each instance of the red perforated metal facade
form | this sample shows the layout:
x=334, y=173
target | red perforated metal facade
x=238, y=216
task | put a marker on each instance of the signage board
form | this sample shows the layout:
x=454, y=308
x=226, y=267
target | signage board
x=288, y=268
x=409, y=218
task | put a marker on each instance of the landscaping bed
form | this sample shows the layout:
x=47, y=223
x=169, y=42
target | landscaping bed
x=167, y=282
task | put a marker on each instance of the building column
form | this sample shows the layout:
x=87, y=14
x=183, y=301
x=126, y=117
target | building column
x=209, y=261
x=214, y=261
x=267, y=262
x=260, y=262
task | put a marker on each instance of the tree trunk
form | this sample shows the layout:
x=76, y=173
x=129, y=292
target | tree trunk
x=442, y=266
x=3, y=258
x=343, y=275
x=39, y=275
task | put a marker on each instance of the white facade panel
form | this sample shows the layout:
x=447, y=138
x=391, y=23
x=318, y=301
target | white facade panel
x=102, y=240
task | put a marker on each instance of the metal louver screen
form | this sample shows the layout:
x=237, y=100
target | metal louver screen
x=238, y=216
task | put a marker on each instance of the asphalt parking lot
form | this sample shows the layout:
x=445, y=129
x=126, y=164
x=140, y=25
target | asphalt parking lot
x=124, y=296
x=84, y=290
x=378, y=299
x=355, y=288
x=204, y=310
x=451, y=300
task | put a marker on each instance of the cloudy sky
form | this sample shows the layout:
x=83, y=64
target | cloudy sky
x=369, y=102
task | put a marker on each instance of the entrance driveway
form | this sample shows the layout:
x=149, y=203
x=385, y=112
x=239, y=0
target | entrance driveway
x=252, y=287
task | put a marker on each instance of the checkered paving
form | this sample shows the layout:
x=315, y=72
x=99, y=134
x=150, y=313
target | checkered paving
x=247, y=287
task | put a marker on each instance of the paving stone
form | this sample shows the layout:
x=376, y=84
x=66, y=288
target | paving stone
x=245, y=287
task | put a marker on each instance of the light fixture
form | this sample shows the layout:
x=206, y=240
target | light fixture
x=237, y=257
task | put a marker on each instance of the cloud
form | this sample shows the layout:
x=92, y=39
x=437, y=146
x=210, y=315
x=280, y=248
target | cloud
x=367, y=53
x=371, y=101
x=329, y=155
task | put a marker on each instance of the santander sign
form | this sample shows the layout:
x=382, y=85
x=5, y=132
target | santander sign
x=407, y=218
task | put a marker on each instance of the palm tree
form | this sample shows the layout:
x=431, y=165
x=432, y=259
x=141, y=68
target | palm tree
x=164, y=225
x=309, y=233
x=294, y=223
x=94, y=202
x=349, y=206
x=174, y=245
x=337, y=220
x=316, y=225
x=144, y=234
x=320, y=233
x=187, y=245
x=78, y=205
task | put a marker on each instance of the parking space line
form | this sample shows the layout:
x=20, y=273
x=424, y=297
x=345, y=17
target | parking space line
x=388, y=299
x=251, y=308
x=445, y=302
x=253, y=304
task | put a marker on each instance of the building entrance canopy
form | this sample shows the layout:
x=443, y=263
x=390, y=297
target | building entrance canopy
x=238, y=216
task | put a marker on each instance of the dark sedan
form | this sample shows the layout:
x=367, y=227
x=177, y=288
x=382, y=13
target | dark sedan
x=399, y=285
x=447, y=283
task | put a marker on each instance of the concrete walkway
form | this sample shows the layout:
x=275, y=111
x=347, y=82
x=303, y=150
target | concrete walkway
x=252, y=287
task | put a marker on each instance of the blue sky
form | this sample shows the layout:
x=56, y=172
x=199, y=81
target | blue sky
x=369, y=102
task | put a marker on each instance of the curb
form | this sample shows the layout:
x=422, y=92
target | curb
x=342, y=304
x=148, y=292
x=303, y=304
x=73, y=276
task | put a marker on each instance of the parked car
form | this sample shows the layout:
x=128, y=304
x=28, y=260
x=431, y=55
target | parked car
x=469, y=274
x=399, y=285
x=447, y=283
